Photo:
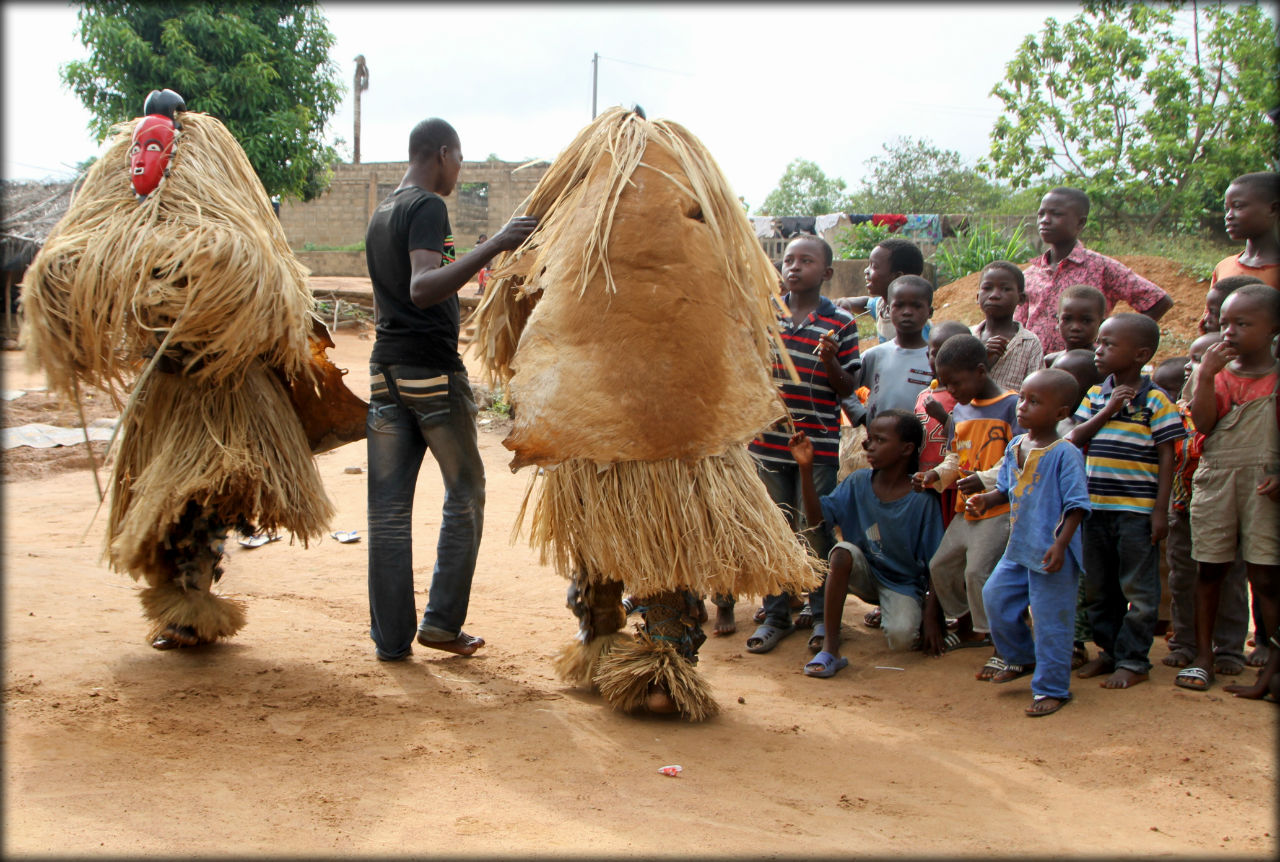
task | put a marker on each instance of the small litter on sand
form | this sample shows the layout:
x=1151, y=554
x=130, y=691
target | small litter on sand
x=346, y=537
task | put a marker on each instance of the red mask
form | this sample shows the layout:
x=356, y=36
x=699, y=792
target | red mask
x=150, y=154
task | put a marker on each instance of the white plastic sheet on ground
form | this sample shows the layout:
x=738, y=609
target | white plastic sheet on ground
x=40, y=436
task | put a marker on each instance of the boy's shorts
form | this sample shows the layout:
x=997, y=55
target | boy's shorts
x=1225, y=504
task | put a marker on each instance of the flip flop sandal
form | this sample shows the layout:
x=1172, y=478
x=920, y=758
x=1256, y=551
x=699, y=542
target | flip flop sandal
x=258, y=540
x=872, y=619
x=174, y=637
x=1013, y=671
x=1032, y=712
x=463, y=645
x=824, y=665
x=1193, y=678
x=819, y=635
x=970, y=644
x=804, y=619
x=994, y=665
x=950, y=642
x=346, y=537
x=767, y=637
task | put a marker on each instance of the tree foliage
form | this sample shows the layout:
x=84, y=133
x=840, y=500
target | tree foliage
x=804, y=190
x=263, y=69
x=1151, y=109
x=914, y=176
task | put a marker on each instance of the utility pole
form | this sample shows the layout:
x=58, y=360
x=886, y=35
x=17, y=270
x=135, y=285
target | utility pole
x=595, y=75
x=361, y=84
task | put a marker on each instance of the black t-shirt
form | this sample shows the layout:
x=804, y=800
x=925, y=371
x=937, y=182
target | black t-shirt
x=411, y=218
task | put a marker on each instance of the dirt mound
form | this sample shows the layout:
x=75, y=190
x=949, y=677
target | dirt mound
x=955, y=301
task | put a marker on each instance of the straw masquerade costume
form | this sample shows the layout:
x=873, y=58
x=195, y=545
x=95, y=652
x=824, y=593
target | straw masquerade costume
x=169, y=285
x=633, y=331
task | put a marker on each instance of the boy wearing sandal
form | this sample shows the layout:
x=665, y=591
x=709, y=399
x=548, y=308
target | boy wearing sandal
x=1042, y=478
x=888, y=533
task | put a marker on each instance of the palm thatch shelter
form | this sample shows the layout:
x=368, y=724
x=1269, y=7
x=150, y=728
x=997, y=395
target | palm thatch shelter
x=29, y=210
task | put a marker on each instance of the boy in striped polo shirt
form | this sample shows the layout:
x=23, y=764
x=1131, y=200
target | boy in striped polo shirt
x=822, y=341
x=1130, y=427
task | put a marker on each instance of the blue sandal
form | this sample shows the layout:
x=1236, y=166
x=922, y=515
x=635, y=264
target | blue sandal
x=767, y=637
x=824, y=665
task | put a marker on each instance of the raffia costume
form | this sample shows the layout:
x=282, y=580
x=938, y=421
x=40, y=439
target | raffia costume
x=189, y=309
x=633, y=331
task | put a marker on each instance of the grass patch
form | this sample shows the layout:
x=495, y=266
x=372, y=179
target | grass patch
x=1195, y=254
x=353, y=246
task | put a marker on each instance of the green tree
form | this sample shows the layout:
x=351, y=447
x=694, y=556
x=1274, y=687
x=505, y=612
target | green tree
x=263, y=69
x=805, y=190
x=1152, y=109
x=914, y=176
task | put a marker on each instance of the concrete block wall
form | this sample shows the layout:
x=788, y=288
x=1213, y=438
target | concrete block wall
x=340, y=216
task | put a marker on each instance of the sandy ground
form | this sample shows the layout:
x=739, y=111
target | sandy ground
x=291, y=739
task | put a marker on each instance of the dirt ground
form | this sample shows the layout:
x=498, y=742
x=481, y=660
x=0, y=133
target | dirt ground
x=290, y=739
x=957, y=301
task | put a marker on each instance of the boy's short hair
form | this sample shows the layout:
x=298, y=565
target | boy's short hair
x=1144, y=331
x=1266, y=183
x=1174, y=365
x=1080, y=364
x=904, y=255
x=944, y=330
x=915, y=281
x=827, y=255
x=910, y=430
x=1269, y=296
x=1013, y=269
x=1077, y=197
x=1063, y=384
x=429, y=136
x=962, y=352
x=1085, y=291
x=1232, y=283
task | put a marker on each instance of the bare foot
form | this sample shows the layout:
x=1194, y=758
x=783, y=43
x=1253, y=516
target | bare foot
x=725, y=623
x=1096, y=666
x=1176, y=659
x=1258, y=656
x=463, y=644
x=1079, y=657
x=1224, y=666
x=659, y=702
x=1123, y=679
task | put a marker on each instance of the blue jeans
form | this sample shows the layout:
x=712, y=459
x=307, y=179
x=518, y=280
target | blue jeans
x=1122, y=586
x=421, y=409
x=782, y=481
x=1008, y=592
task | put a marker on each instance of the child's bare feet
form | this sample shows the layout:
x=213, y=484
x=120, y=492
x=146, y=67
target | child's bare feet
x=1258, y=656
x=1079, y=657
x=1227, y=666
x=725, y=623
x=1177, y=658
x=1123, y=678
x=1097, y=666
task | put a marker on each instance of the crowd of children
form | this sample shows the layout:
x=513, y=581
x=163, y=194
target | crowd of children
x=1024, y=473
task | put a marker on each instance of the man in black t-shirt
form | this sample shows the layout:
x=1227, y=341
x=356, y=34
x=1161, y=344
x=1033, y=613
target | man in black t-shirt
x=420, y=399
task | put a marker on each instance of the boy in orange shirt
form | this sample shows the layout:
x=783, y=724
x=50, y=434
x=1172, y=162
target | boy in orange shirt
x=1252, y=205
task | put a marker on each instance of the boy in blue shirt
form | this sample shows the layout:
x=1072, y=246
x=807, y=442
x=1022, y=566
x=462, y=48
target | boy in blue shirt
x=888, y=533
x=1043, y=479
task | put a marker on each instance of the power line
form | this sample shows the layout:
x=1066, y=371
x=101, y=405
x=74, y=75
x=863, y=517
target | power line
x=646, y=66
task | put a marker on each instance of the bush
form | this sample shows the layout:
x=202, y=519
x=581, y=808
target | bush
x=980, y=245
x=856, y=241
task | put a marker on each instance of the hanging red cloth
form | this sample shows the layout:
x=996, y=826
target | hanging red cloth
x=893, y=220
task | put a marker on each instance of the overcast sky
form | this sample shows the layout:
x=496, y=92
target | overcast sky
x=759, y=84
